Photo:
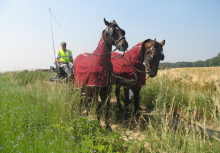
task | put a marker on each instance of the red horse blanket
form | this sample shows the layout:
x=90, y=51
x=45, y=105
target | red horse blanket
x=93, y=69
x=122, y=68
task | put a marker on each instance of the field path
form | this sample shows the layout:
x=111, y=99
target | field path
x=147, y=114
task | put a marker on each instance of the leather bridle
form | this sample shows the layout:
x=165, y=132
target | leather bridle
x=109, y=31
x=151, y=56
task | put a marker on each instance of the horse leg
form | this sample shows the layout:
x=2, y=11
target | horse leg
x=105, y=97
x=117, y=93
x=136, y=99
x=108, y=106
x=88, y=100
x=127, y=101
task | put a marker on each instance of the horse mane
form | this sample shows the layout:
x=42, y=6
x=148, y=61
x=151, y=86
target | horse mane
x=143, y=48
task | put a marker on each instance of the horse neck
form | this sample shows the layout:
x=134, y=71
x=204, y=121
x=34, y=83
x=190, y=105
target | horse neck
x=107, y=45
x=101, y=48
x=134, y=55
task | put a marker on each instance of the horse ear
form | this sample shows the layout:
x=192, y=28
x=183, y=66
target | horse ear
x=114, y=22
x=106, y=22
x=162, y=43
x=154, y=41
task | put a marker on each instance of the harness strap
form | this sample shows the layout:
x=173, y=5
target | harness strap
x=101, y=53
x=124, y=80
x=135, y=67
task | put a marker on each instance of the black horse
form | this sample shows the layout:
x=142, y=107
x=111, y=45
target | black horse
x=92, y=70
x=130, y=71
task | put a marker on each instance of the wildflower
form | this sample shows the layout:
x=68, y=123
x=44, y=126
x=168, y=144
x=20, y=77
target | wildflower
x=15, y=145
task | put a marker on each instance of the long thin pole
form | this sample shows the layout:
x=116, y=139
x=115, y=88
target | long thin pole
x=52, y=31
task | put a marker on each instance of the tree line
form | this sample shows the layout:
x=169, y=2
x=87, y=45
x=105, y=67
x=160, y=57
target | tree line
x=215, y=61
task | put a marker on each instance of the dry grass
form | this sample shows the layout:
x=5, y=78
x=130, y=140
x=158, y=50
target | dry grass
x=201, y=76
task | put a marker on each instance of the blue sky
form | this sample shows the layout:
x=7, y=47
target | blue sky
x=190, y=28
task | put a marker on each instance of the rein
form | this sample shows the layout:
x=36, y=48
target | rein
x=135, y=67
x=102, y=53
x=151, y=56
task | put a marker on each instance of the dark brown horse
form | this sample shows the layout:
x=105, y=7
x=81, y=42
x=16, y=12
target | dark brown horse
x=92, y=70
x=129, y=71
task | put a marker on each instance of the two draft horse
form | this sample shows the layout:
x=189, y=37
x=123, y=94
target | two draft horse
x=130, y=70
x=92, y=70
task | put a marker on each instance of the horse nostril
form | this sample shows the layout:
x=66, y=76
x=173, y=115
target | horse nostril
x=125, y=45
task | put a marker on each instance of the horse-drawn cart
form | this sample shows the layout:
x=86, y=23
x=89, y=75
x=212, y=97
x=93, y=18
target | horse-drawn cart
x=60, y=73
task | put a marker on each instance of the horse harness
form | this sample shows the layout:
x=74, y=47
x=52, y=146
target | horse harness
x=109, y=31
x=151, y=56
x=134, y=81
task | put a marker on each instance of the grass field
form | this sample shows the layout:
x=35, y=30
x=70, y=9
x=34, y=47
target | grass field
x=39, y=116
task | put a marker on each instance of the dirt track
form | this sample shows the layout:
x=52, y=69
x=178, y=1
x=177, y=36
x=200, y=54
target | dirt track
x=148, y=113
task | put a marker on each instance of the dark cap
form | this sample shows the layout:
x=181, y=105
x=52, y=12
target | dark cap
x=63, y=43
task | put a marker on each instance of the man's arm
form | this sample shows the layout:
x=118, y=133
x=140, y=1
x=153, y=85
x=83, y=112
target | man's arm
x=58, y=61
x=71, y=59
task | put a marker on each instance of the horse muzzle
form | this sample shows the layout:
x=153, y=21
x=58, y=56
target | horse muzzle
x=151, y=73
x=122, y=45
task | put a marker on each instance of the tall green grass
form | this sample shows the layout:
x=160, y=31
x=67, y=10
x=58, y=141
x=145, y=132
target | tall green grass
x=41, y=116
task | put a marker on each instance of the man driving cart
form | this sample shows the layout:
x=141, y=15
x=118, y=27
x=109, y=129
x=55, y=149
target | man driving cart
x=65, y=59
